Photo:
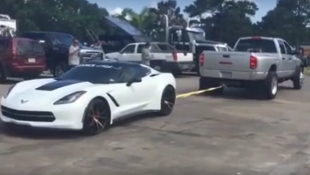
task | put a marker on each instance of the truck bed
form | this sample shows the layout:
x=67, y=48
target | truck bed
x=168, y=56
x=234, y=65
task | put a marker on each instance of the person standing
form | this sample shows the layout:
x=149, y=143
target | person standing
x=146, y=55
x=74, y=58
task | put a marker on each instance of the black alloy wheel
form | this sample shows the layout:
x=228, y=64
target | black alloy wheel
x=96, y=117
x=167, y=101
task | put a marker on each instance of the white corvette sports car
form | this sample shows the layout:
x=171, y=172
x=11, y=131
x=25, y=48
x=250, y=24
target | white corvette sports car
x=90, y=97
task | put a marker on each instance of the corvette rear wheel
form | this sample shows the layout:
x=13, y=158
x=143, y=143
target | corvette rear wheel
x=96, y=117
x=167, y=101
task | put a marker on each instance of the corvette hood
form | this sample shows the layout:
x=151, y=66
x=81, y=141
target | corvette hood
x=48, y=92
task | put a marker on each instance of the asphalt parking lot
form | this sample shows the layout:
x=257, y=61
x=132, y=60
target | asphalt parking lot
x=233, y=134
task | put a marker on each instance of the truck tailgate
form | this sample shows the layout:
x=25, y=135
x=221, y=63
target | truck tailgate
x=162, y=56
x=188, y=57
x=230, y=61
x=169, y=56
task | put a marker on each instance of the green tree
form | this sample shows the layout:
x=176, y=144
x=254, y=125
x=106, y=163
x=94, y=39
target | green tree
x=142, y=21
x=171, y=10
x=288, y=20
x=20, y=11
x=12, y=7
x=225, y=20
x=70, y=16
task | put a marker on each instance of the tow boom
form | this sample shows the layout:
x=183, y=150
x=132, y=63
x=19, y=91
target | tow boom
x=7, y=26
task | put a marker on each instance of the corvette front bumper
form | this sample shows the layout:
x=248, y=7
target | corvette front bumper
x=68, y=116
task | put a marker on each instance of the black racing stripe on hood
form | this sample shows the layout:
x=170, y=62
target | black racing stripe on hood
x=57, y=84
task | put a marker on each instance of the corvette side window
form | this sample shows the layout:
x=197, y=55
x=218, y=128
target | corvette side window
x=142, y=72
x=128, y=74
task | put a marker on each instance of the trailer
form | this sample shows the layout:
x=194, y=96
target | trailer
x=8, y=26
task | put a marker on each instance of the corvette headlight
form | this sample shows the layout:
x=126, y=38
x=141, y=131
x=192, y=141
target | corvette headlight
x=70, y=98
x=8, y=92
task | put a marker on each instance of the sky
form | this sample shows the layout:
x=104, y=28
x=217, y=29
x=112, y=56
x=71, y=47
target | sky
x=115, y=6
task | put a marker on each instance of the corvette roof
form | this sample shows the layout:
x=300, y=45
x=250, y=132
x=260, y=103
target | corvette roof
x=113, y=63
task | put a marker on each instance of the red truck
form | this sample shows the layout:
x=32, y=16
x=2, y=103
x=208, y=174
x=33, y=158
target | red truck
x=20, y=57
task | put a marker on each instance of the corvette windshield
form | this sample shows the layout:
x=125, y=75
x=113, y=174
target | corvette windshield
x=103, y=74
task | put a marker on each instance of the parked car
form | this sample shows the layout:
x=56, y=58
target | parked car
x=56, y=46
x=256, y=62
x=90, y=97
x=164, y=56
x=20, y=57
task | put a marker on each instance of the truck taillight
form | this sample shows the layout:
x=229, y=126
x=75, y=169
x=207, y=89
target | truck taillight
x=175, y=56
x=14, y=51
x=201, y=59
x=253, y=62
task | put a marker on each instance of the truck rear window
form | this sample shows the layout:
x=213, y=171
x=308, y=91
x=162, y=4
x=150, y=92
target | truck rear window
x=256, y=45
x=29, y=47
x=222, y=49
x=209, y=48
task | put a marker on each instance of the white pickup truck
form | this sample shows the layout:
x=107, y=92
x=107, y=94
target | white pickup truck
x=256, y=62
x=164, y=57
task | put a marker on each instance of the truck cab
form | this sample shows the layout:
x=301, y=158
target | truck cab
x=164, y=56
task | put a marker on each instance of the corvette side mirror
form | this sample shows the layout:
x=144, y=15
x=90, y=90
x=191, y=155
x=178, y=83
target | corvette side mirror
x=133, y=80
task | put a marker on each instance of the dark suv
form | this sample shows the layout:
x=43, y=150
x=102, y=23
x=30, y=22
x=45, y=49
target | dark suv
x=56, y=46
x=20, y=57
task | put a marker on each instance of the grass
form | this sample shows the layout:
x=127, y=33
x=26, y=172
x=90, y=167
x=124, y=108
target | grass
x=307, y=71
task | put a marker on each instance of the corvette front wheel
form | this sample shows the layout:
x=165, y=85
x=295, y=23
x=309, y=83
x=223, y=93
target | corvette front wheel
x=96, y=117
x=167, y=101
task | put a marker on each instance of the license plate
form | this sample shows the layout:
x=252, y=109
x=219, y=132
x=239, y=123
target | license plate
x=226, y=74
x=31, y=60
